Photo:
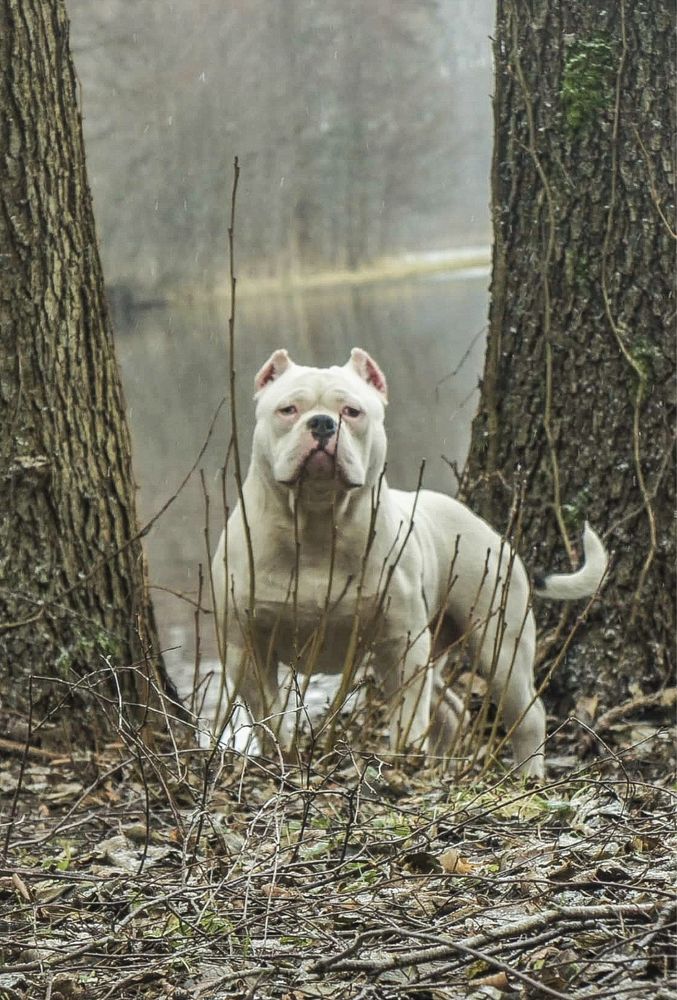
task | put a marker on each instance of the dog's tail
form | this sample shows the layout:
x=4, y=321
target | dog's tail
x=582, y=583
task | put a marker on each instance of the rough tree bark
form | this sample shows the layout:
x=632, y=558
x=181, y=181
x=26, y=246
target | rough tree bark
x=72, y=582
x=578, y=391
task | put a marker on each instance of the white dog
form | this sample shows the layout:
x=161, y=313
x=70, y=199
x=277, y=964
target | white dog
x=324, y=565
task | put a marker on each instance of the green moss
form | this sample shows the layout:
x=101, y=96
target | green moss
x=574, y=511
x=587, y=81
x=645, y=355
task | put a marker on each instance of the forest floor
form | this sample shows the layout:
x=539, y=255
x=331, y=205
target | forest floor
x=171, y=871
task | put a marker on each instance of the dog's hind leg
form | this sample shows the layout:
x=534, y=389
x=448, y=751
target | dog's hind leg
x=512, y=689
x=448, y=718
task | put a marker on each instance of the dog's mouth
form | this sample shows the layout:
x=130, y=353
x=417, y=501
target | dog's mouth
x=320, y=466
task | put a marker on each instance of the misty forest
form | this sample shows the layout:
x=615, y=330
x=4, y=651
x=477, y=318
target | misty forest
x=479, y=197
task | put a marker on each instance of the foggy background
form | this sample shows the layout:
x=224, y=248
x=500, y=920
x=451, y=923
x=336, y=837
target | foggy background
x=363, y=129
x=364, y=132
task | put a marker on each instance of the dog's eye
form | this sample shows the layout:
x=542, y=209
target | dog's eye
x=350, y=411
x=288, y=411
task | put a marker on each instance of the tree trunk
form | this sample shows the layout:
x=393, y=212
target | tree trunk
x=73, y=595
x=578, y=392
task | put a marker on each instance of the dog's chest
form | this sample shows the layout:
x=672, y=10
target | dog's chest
x=313, y=576
x=318, y=603
x=314, y=630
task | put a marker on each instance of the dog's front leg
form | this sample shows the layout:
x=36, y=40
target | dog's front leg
x=403, y=667
x=253, y=680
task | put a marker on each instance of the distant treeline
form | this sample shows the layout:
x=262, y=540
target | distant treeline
x=363, y=130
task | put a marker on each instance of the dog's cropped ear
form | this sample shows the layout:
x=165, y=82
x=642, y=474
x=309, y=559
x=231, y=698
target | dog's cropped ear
x=365, y=366
x=277, y=363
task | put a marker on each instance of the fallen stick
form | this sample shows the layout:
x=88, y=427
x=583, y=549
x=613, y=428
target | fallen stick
x=448, y=948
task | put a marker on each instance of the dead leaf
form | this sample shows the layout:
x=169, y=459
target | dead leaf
x=452, y=863
x=7, y=783
x=423, y=862
x=124, y=856
x=66, y=986
x=136, y=832
x=586, y=708
x=499, y=980
x=47, y=890
x=278, y=892
x=21, y=887
x=611, y=873
x=669, y=697
x=64, y=792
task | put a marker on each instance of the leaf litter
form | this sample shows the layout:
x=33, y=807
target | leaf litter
x=188, y=873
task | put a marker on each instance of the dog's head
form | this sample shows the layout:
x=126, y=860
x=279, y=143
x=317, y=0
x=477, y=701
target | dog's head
x=321, y=429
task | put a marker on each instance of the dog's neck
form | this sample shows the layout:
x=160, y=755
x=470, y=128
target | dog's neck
x=311, y=514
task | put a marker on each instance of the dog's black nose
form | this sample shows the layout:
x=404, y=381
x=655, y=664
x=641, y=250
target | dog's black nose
x=322, y=426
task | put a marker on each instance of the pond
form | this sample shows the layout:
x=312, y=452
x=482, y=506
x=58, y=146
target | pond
x=427, y=335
